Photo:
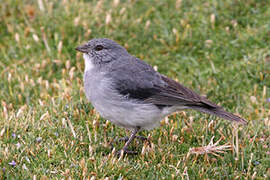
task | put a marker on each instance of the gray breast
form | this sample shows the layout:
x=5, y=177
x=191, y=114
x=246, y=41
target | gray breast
x=117, y=108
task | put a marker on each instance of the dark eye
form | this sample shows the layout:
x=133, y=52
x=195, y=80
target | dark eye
x=98, y=48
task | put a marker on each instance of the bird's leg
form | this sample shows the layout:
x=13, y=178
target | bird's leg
x=130, y=139
x=126, y=138
x=132, y=136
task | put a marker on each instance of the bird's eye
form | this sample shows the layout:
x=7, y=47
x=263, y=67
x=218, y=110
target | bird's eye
x=98, y=48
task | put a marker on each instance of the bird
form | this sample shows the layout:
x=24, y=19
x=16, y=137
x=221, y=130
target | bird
x=129, y=93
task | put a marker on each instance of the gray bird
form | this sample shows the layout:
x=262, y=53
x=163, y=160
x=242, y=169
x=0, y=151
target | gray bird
x=130, y=93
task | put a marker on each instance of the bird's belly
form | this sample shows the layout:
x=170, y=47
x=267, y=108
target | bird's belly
x=123, y=112
x=129, y=114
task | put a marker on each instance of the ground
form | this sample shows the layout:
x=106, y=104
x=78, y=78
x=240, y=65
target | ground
x=218, y=48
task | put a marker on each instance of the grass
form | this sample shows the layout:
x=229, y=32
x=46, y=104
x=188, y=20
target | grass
x=48, y=130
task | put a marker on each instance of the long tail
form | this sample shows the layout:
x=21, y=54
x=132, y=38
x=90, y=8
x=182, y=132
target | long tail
x=220, y=113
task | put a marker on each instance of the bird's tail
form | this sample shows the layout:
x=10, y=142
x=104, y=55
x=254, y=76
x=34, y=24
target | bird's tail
x=221, y=113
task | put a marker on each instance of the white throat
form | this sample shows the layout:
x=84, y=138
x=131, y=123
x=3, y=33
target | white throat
x=88, y=62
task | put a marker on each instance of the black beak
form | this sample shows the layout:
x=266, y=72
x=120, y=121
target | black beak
x=82, y=48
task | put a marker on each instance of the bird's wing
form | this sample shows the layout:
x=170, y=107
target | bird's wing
x=177, y=94
x=140, y=81
x=135, y=79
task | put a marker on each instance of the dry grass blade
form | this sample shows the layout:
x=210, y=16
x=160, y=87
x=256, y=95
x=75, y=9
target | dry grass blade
x=211, y=148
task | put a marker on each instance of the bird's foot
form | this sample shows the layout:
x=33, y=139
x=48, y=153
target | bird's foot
x=126, y=138
x=125, y=150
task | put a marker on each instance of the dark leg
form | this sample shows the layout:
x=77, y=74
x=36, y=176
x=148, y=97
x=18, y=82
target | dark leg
x=128, y=141
x=126, y=138
x=132, y=136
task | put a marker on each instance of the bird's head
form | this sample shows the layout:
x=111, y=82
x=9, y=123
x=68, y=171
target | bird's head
x=101, y=51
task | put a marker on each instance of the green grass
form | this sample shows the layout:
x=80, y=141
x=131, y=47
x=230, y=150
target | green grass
x=218, y=48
